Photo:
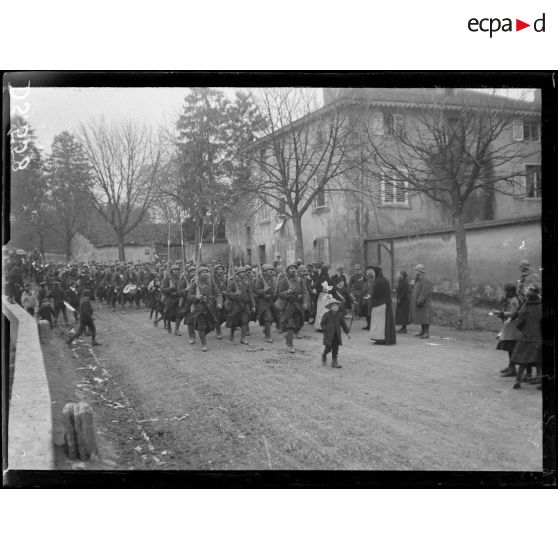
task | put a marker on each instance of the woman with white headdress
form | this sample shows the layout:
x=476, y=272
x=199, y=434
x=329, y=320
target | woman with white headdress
x=323, y=298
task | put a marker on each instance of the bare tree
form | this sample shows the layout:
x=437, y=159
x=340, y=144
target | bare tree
x=451, y=152
x=302, y=153
x=125, y=163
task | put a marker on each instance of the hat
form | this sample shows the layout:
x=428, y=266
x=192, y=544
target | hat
x=340, y=268
x=203, y=268
x=239, y=269
x=174, y=268
x=217, y=265
x=267, y=267
x=42, y=283
x=247, y=267
x=419, y=267
x=302, y=267
x=524, y=264
x=331, y=300
x=191, y=268
x=289, y=267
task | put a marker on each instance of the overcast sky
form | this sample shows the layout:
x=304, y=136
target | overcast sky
x=54, y=109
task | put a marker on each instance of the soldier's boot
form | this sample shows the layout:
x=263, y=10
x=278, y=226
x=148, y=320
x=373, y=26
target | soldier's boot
x=289, y=340
x=267, y=332
x=203, y=340
x=278, y=326
x=426, y=334
x=218, y=331
x=177, y=327
x=231, y=335
x=324, y=359
x=191, y=334
x=334, y=363
x=243, y=332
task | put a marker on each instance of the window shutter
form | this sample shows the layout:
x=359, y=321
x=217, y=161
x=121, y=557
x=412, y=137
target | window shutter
x=518, y=130
x=398, y=122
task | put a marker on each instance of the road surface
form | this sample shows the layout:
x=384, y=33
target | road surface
x=437, y=404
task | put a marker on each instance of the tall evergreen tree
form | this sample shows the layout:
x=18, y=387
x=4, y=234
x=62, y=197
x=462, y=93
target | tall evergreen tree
x=68, y=178
x=28, y=202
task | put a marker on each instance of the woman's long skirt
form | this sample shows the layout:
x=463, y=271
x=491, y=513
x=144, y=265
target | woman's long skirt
x=382, y=324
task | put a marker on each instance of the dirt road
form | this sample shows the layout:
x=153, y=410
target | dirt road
x=420, y=405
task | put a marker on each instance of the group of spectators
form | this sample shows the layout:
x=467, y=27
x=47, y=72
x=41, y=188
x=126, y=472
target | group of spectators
x=521, y=337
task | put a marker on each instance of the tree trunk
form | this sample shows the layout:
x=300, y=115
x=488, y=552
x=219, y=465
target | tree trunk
x=299, y=242
x=463, y=276
x=68, y=248
x=120, y=243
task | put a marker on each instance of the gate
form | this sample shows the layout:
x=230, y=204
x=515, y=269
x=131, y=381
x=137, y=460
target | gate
x=381, y=253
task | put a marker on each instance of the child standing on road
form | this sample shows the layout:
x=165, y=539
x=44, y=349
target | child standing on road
x=331, y=324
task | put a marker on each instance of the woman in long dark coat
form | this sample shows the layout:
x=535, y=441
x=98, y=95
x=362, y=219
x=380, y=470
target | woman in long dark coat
x=382, y=324
x=403, y=308
x=528, y=349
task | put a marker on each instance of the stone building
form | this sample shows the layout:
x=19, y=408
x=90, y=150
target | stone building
x=399, y=230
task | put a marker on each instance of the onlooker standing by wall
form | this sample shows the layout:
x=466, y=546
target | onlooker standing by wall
x=421, y=309
x=403, y=308
x=510, y=334
x=366, y=295
x=29, y=300
x=528, y=349
x=382, y=325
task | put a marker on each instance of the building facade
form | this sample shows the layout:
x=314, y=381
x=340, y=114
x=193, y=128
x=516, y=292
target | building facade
x=397, y=230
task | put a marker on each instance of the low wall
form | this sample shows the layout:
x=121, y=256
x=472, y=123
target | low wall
x=30, y=443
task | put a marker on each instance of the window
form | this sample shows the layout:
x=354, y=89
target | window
x=248, y=235
x=394, y=123
x=321, y=250
x=320, y=199
x=525, y=130
x=265, y=212
x=533, y=181
x=394, y=191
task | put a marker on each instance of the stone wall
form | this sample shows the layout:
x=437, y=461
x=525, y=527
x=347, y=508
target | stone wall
x=493, y=253
x=30, y=444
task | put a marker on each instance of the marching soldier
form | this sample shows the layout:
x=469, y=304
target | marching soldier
x=169, y=287
x=294, y=299
x=206, y=300
x=242, y=304
x=220, y=279
x=266, y=293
